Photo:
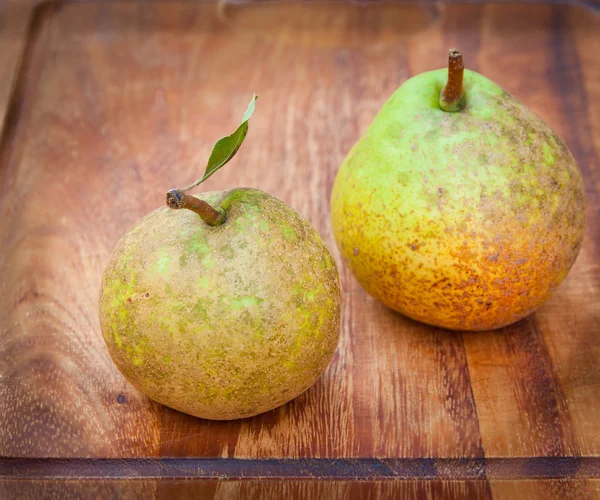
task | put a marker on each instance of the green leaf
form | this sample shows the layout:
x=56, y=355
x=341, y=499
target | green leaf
x=226, y=148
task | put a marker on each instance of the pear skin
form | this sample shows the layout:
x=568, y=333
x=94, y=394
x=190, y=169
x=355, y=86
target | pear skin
x=227, y=321
x=467, y=220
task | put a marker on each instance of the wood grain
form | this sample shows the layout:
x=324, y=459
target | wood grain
x=305, y=490
x=59, y=389
x=256, y=490
x=359, y=469
x=118, y=102
x=14, y=20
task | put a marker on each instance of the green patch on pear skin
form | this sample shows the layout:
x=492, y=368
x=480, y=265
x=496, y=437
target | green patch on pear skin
x=239, y=303
x=196, y=243
x=289, y=234
x=246, y=319
x=162, y=263
x=116, y=336
x=121, y=292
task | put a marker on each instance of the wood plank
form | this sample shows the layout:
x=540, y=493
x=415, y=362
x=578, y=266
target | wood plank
x=251, y=490
x=576, y=356
x=296, y=490
x=73, y=490
x=551, y=489
x=305, y=468
x=59, y=394
x=536, y=382
x=13, y=38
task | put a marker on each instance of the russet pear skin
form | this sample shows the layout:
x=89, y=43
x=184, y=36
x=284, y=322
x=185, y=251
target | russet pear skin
x=227, y=321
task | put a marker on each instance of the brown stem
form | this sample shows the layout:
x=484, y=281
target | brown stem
x=177, y=199
x=452, y=97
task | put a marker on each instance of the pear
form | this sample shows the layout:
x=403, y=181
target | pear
x=224, y=310
x=459, y=207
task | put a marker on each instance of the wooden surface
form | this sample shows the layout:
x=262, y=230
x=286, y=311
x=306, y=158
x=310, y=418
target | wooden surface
x=14, y=19
x=115, y=103
x=274, y=489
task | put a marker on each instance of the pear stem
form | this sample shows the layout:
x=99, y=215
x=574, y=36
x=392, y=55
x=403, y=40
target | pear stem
x=452, y=97
x=178, y=198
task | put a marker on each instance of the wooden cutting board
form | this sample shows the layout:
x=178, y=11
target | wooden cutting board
x=109, y=104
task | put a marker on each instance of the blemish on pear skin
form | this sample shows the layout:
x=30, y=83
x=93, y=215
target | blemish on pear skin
x=239, y=303
x=289, y=234
x=227, y=251
x=163, y=262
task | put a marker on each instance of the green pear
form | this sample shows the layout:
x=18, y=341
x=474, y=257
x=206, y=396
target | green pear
x=459, y=207
x=224, y=310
